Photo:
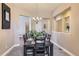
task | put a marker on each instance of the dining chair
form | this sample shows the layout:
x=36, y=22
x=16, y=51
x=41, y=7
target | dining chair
x=47, y=44
x=40, y=46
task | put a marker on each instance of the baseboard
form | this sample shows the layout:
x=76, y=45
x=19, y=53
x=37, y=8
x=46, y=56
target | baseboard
x=5, y=53
x=65, y=50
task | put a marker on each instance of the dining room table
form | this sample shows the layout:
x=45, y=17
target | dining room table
x=30, y=44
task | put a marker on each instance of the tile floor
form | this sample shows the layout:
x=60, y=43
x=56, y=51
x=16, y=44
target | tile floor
x=58, y=52
x=18, y=51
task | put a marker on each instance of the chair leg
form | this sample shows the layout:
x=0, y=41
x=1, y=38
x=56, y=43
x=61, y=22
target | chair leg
x=51, y=49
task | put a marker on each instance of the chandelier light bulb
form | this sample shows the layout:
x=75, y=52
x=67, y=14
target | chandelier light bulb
x=37, y=18
x=40, y=18
x=34, y=18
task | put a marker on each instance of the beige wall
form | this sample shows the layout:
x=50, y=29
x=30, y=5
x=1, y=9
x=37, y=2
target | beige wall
x=71, y=43
x=47, y=22
x=75, y=28
x=33, y=25
x=8, y=37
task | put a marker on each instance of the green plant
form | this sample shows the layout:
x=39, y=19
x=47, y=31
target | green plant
x=35, y=34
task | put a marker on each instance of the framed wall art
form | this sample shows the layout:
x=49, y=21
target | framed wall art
x=6, y=16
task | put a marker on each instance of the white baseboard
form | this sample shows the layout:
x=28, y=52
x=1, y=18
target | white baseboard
x=65, y=50
x=5, y=53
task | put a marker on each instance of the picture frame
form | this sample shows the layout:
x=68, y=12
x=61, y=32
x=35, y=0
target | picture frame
x=6, y=17
x=44, y=26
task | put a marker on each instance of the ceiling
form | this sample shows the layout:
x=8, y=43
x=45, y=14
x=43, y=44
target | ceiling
x=38, y=9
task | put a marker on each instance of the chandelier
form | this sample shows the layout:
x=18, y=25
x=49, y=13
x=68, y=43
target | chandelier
x=37, y=19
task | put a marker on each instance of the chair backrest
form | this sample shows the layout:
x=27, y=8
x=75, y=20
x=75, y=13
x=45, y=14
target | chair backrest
x=48, y=37
x=40, y=46
x=40, y=40
x=24, y=38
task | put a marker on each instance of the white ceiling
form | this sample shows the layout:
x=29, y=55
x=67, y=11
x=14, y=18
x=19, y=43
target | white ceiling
x=38, y=9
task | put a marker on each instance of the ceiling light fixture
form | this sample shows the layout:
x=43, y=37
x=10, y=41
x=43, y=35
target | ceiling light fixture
x=37, y=19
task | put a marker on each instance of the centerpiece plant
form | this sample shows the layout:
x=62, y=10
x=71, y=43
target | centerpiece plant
x=35, y=34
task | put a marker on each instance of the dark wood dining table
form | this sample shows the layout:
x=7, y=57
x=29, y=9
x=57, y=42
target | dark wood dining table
x=48, y=45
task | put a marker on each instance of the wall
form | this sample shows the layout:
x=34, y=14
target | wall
x=71, y=44
x=75, y=28
x=47, y=23
x=8, y=37
x=33, y=25
x=17, y=12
